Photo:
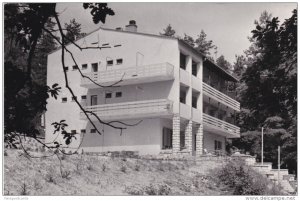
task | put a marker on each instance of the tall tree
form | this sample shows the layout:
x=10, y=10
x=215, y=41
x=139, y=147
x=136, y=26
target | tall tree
x=203, y=45
x=189, y=40
x=270, y=94
x=223, y=63
x=73, y=31
x=168, y=31
x=239, y=65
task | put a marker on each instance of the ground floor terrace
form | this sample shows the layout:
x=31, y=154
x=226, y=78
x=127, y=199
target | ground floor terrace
x=157, y=135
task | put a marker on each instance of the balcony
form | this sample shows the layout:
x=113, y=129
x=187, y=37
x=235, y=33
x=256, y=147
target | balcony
x=221, y=127
x=130, y=75
x=130, y=110
x=220, y=97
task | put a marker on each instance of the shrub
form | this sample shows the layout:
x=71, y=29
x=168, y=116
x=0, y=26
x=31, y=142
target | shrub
x=50, y=176
x=123, y=168
x=66, y=174
x=134, y=190
x=137, y=167
x=161, y=166
x=5, y=153
x=104, y=167
x=37, y=185
x=244, y=180
x=89, y=167
x=159, y=189
x=24, y=189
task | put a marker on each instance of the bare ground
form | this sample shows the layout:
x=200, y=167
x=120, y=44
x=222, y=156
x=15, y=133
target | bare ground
x=102, y=175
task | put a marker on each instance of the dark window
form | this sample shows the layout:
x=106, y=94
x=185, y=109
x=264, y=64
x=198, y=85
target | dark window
x=167, y=138
x=119, y=61
x=194, y=102
x=83, y=97
x=117, y=45
x=194, y=69
x=82, y=131
x=75, y=67
x=95, y=67
x=182, y=97
x=110, y=62
x=64, y=100
x=182, y=61
x=93, y=130
x=105, y=44
x=94, y=100
x=73, y=131
x=84, y=66
x=108, y=95
x=73, y=98
x=218, y=145
x=182, y=139
x=118, y=94
x=66, y=68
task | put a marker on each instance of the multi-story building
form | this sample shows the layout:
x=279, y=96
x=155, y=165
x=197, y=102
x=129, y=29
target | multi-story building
x=186, y=102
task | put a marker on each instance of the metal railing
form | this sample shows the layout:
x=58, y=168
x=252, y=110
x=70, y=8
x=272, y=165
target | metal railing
x=221, y=125
x=221, y=97
x=153, y=70
x=128, y=109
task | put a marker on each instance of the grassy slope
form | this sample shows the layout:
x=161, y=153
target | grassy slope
x=88, y=178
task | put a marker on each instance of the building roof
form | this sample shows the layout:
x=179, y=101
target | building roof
x=182, y=42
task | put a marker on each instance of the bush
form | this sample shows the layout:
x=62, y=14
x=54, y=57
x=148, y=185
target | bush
x=66, y=174
x=244, y=180
x=89, y=167
x=5, y=153
x=159, y=189
x=50, y=176
x=24, y=189
x=104, y=167
x=123, y=168
x=137, y=167
x=134, y=190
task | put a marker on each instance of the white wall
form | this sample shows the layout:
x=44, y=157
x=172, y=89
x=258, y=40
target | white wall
x=148, y=50
x=209, y=141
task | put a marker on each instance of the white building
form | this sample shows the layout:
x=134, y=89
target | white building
x=179, y=95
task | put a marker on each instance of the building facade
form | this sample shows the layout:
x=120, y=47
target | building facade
x=184, y=102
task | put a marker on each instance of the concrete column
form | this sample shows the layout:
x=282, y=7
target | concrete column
x=199, y=140
x=176, y=134
x=188, y=137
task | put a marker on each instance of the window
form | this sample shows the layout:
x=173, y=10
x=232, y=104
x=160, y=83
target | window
x=182, y=139
x=64, y=100
x=218, y=145
x=117, y=45
x=83, y=97
x=66, y=68
x=167, y=138
x=108, y=95
x=74, y=98
x=73, y=131
x=110, y=62
x=93, y=130
x=182, y=61
x=94, y=100
x=119, y=61
x=94, y=67
x=194, y=69
x=82, y=131
x=194, y=102
x=75, y=67
x=182, y=97
x=84, y=66
x=118, y=94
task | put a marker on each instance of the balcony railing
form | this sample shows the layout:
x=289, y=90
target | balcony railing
x=131, y=75
x=223, y=127
x=130, y=110
x=219, y=96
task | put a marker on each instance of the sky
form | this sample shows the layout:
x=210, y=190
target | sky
x=228, y=25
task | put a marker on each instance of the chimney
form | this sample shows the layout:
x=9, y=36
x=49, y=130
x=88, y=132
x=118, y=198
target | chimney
x=132, y=27
x=119, y=29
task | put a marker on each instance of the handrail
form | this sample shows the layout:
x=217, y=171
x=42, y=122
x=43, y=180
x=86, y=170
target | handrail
x=221, y=97
x=135, y=107
x=221, y=124
x=130, y=73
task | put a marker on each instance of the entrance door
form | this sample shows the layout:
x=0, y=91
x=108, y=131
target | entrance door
x=94, y=100
x=95, y=67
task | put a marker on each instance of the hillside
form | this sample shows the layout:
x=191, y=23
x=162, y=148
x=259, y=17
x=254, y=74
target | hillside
x=102, y=175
